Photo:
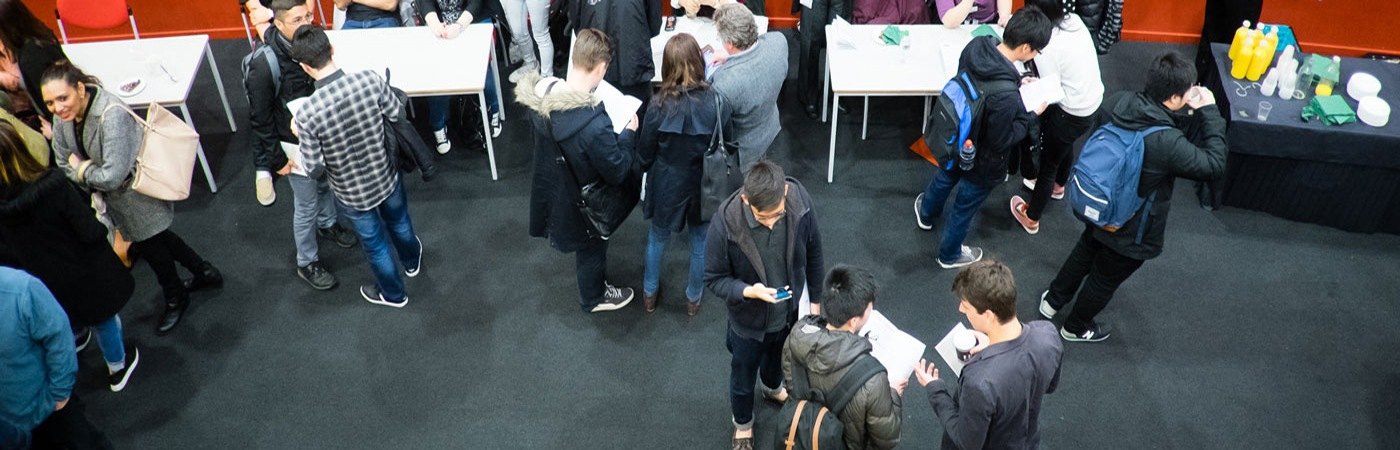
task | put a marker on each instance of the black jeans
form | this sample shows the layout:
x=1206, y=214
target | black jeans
x=747, y=359
x=809, y=69
x=1100, y=271
x=69, y=428
x=591, y=264
x=1060, y=129
x=161, y=252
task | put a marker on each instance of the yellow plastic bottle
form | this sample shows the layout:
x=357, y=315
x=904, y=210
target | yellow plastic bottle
x=1239, y=66
x=1240, y=34
x=1263, y=55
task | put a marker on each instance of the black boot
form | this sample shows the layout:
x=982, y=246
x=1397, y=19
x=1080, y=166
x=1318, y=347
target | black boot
x=207, y=276
x=175, y=304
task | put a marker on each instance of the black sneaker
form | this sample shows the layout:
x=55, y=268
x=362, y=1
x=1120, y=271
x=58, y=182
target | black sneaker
x=1093, y=334
x=317, y=276
x=371, y=294
x=924, y=224
x=339, y=235
x=412, y=271
x=1046, y=310
x=205, y=277
x=117, y=380
x=81, y=340
x=614, y=298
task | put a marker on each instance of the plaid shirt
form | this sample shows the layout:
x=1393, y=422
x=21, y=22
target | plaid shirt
x=342, y=132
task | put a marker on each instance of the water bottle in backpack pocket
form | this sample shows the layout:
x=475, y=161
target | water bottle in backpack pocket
x=1103, y=188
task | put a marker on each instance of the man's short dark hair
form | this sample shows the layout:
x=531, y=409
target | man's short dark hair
x=280, y=7
x=848, y=290
x=987, y=284
x=1028, y=26
x=310, y=46
x=1169, y=75
x=1053, y=9
x=765, y=185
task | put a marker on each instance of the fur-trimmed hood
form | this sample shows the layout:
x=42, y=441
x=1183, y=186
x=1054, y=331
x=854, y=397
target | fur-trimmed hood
x=568, y=111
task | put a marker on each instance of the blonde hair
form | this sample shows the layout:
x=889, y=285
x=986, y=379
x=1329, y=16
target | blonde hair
x=17, y=166
x=591, y=48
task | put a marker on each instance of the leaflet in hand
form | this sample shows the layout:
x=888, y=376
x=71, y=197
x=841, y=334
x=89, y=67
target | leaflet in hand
x=621, y=108
x=1042, y=91
x=948, y=352
x=896, y=350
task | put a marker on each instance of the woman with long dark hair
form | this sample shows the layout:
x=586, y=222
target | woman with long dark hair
x=675, y=134
x=27, y=49
x=96, y=143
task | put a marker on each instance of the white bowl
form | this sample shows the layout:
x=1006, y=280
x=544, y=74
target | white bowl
x=1373, y=111
x=1362, y=85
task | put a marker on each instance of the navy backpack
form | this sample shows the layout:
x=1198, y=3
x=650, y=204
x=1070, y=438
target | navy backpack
x=1103, y=189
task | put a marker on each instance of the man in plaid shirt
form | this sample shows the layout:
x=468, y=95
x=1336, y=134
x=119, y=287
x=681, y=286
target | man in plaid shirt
x=343, y=137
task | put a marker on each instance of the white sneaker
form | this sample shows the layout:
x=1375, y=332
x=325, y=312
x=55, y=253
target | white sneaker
x=443, y=144
x=495, y=125
x=525, y=69
x=1046, y=310
x=262, y=184
x=1029, y=183
x=969, y=255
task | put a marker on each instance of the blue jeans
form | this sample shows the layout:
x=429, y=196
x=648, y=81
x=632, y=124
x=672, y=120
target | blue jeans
x=377, y=227
x=109, y=339
x=970, y=198
x=438, y=106
x=382, y=22
x=656, y=247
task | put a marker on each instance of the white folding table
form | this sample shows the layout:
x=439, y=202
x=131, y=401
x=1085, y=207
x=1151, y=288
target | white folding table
x=859, y=64
x=701, y=28
x=424, y=65
x=166, y=65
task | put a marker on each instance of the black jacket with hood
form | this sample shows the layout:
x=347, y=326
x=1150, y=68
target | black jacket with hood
x=1166, y=155
x=872, y=419
x=1005, y=121
x=576, y=124
x=267, y=105
x=631, y=24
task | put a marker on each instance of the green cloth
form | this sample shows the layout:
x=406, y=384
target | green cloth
x=1332, y=109
x=893, y=35
x=986, y=30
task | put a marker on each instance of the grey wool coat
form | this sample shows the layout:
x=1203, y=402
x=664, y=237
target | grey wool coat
x=750, y=82
x=112, y=139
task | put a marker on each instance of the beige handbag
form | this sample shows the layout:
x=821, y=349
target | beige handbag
x=165, y=162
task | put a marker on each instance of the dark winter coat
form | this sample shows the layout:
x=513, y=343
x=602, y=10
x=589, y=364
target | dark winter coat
x=48, y=230
x=674, y=137
x=34, y=58
x=1005, y=122
x=732, y=261
x=1167, y=154
x=268, y=115
x=872, y=419
x=631, y=24
x=813, y=21
x=574, y=123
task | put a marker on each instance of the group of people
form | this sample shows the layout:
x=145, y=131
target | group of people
x=62, y=212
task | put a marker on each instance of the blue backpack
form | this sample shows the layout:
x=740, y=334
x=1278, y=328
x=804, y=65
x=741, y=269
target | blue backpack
x=1103, y=188
x=956, y=119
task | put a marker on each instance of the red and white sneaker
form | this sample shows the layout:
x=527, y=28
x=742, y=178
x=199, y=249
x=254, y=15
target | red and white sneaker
x=1059, y=192
x=1018, y=210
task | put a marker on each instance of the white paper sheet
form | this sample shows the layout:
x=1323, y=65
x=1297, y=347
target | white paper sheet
x=1045, y=90
x=621, y=107
x=949, y=54
x=293, y=151
x=844, y=40
x=897, y=351
x=948, y=352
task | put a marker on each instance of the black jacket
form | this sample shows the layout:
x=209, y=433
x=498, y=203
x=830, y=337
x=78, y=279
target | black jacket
x=573, y=123
x=470, y=6
x=674, y=137
x=813, y=21
x=631, y=24
x=732, y=261
x=1005, y=122
x=1167, y=154
x=48, y=230
x=267, y=111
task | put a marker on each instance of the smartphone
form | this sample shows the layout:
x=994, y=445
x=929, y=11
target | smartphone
x=783, y=294
x=671, y=23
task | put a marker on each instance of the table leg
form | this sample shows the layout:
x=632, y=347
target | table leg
x=826, y=83
x=865, y=117
x=486, y=134
x=831, y=153
x=500, y=100
x=219, y=83
x=199, y=152
x=927, y=102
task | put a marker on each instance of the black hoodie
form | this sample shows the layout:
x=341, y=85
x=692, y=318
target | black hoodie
x=1005, y=121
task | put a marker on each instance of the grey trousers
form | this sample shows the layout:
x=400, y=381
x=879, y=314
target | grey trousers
x=313, y=207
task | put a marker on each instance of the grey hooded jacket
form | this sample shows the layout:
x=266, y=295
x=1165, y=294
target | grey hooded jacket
x=872, y=418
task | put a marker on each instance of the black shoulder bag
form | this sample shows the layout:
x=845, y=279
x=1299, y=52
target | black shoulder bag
x=721, y=174
x=605, y=205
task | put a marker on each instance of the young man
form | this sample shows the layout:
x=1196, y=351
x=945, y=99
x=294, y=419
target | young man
x=762, y=241
x=342, y=133
x=750, y=79
x=1014, y=364
x=571, y=125
x=811, y=35
x=827, y=346
x=1103, y=260
x=1003, y=124
x=313, y=207
x=630, y=24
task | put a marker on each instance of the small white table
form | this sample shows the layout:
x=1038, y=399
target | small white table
x=424, y=65
x=859, y=64
x=702, y=29
x=167, y=65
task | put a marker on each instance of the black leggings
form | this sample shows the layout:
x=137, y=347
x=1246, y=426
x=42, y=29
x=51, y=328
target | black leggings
x=161, y=252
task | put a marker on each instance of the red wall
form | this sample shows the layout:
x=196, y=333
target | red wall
x=1349, y=27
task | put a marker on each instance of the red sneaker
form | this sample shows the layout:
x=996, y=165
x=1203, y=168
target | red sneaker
x=1018, y=210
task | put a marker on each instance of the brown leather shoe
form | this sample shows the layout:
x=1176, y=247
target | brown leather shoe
x=691, y=309
x=649, y=302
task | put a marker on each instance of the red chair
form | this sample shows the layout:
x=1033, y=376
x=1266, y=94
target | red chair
x=94, y=14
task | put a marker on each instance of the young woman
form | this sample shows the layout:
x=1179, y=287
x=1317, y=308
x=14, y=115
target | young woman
x=27, y=49
x=527, y=19
x=447, y=19
x=48, y=230
x=96, y=143
x=675, y=134
x=958, y=12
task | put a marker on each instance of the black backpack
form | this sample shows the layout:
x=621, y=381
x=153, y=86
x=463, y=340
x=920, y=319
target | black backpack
x=810, y=419
x=264, y=51
x=957, y=118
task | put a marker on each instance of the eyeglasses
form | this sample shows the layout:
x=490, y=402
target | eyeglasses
x=299, y=21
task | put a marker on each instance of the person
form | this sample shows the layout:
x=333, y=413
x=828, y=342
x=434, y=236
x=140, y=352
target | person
x=48, y=230
x=763, y=239
x=260, y=17
x=572, y=132
x=27, y=49
x=811, y=35
x=674, y=139
x=313, y=206
x=630, y=24
x=37, y=405
x=954, y=13
x=95, y=143
x=446, y=19
x=361, y=14
x=1104, y=19
x=342, y=130
x=749, y=79
x=1003, y=125
x=1069, y=57
x=1012, y=367
x=1101, y=260
x=880, y=12
x=827, y=346
x=34, y=142
x=527, y=19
